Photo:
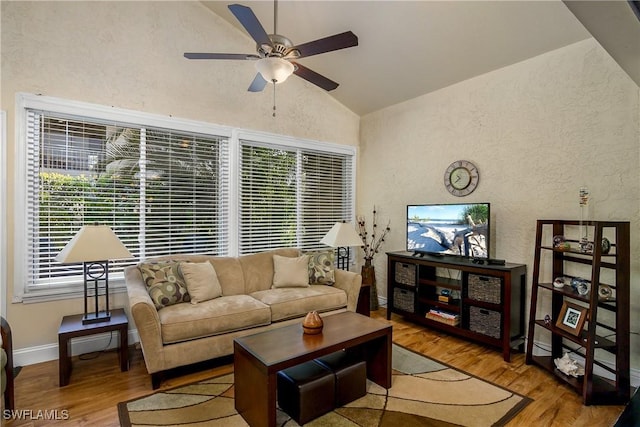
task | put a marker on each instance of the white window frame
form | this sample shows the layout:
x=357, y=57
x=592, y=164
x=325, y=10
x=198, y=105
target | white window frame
x=25, y=101
x=3, y=213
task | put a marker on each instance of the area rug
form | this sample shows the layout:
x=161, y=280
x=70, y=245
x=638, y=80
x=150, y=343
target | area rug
x=423, y=393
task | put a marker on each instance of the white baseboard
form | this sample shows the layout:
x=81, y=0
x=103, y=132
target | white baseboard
x=80, y=345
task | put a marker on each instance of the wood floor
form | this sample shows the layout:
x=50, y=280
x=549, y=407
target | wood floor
x=97, y=385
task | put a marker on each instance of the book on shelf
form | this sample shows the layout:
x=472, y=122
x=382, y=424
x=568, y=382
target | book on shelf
x=443, y=317
x=448, y=300
x=445, y=314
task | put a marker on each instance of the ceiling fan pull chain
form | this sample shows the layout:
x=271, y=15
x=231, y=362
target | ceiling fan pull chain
x=274, y=98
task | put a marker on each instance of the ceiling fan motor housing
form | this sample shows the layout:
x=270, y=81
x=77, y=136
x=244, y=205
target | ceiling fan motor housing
x=280, y=47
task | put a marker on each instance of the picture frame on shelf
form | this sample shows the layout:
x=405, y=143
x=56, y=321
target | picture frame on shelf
x=572, y=318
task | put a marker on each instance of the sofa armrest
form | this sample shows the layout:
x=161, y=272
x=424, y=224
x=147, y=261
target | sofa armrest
x=349, y=282
x=145, y=317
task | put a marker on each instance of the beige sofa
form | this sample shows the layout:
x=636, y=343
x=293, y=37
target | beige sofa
x=186, y=333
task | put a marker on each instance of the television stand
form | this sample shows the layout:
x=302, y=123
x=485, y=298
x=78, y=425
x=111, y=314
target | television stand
x=480, y=302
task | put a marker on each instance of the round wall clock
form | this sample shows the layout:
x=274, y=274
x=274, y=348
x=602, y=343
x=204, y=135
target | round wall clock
x=461, y=178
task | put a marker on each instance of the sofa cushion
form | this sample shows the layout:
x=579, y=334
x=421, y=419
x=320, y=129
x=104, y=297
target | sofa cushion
x=182, y=322
x=165, y=283
x=230, y=274
x=321, y=267
x=258, y=269
x=287, y=303
x=290, y=272
x=202, y=281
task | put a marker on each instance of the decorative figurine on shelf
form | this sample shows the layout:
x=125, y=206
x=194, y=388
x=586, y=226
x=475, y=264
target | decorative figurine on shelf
x=568, y=366
x=585, y=245
x=583, y=287
x=547, y=319
x=559, y=282
x=605, y=293
x=580, y=285
x=559, y=242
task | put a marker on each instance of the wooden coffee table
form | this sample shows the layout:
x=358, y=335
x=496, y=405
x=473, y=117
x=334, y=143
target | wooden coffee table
x=259, y=357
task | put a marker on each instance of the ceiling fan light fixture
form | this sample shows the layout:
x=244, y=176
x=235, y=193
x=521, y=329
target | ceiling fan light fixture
x=274, y=69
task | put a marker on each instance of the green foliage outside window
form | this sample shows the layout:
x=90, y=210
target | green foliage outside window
x=67, y=202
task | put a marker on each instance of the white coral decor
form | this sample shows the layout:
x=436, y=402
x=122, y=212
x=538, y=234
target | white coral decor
x=568, y=366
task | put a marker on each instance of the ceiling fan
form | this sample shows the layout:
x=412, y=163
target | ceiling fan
x=276, y=55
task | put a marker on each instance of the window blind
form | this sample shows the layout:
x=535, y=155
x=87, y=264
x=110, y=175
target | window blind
x=186, y=194
x=291, y=196
x=161, y=191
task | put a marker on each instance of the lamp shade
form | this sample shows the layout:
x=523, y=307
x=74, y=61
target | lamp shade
x=342, y=234
x=93, y=243
x=274, y=69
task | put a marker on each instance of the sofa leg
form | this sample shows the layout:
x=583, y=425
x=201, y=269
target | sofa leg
x=156, y=379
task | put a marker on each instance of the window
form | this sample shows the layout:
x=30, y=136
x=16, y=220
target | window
x=291, y=196
x=164, y=186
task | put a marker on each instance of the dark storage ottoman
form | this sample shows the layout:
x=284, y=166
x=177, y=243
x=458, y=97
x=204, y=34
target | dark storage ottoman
x=351, y=376
x=306, y=391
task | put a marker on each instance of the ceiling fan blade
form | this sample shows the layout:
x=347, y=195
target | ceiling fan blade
x=250, y=23
x=328, y=44
x=313, y=77
x=258, y=84
x=199, y=55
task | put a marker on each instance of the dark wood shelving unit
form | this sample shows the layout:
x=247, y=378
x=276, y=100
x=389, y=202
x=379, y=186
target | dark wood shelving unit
x=415, y=282
x=607, y=329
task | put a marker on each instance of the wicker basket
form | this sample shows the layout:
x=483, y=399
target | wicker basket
x=406, y=274
x=404, y=299
x=485, y=288
x=485, y=322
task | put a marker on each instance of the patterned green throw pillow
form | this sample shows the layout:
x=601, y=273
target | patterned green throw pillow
x=321, y=267
x=165, y=283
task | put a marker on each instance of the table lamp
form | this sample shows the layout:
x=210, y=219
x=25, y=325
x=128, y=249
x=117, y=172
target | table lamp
x=94, y=246
x=342, y=236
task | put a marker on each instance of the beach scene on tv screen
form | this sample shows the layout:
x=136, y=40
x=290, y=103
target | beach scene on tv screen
x=460, y=230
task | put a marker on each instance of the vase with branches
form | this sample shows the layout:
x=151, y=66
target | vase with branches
x=372, y=242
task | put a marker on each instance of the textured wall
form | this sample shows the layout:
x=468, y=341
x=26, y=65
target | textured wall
x=129, y=55
x=537, y=130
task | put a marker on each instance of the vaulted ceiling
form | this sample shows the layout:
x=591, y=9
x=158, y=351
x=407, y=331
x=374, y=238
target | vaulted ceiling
x=410, y=48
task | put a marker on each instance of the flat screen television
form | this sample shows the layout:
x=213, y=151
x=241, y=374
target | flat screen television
x=449, y=229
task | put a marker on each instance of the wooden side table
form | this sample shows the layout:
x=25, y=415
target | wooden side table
x=72, y=327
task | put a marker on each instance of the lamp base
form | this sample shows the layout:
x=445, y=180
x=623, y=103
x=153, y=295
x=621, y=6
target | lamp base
x=343, y=258
x=102, y=316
